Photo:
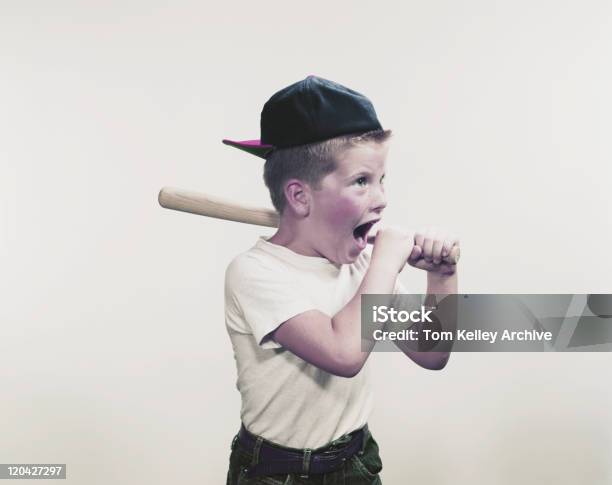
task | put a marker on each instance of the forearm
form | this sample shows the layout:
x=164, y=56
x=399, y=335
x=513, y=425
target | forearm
x=346, y=324
x=430, y=358
x=439, y=285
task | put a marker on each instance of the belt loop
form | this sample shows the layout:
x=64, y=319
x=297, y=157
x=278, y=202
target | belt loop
x=306, y=463
x=258, y=443
x=363, y=440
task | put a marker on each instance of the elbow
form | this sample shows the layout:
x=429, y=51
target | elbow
x=435, y=361
x=348, y=372
x=348, y=366
x=434, y=366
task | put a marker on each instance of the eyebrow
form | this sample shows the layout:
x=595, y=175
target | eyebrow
x=364, y=173
x=360, y=173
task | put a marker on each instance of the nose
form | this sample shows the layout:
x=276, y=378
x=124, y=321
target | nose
x=379, y=201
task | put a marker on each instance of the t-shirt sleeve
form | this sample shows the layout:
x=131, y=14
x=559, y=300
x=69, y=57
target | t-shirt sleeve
x=405, y=299
x=259, y=298
x=400, y=289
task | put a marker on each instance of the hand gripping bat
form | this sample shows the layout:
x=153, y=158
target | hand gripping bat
x=207, y=205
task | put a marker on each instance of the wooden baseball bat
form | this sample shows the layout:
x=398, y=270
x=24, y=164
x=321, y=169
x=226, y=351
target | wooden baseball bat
x=220, y=208
x=206, y=205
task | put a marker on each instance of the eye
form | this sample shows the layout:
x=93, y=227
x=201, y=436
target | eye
x=382, y=179
x=361, y=181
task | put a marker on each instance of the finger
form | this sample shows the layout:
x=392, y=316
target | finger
x=415, y=254
x=419, y=238
x=450, y=251
x=424, y=265
x=428, y=246
x=443, y=268
x=446, y=269
x=436, y=252
x=453, y=258
x=447, y=246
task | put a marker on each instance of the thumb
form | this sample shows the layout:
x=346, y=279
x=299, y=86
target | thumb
x=415, y=254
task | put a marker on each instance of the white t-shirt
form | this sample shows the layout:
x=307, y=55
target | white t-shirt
x=285, y=399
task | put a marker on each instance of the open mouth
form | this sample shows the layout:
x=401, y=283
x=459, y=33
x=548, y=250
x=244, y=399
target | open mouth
x=360, y=233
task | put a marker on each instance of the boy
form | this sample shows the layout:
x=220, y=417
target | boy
x=293, y=300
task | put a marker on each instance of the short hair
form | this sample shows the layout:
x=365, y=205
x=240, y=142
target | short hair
x=310, y=163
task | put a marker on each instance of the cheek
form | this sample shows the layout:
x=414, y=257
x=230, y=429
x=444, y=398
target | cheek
x=343, y=212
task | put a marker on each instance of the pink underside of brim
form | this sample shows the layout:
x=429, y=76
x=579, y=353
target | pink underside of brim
x=250, y=143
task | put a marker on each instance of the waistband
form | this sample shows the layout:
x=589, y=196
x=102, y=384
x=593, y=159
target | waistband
x=271, y=459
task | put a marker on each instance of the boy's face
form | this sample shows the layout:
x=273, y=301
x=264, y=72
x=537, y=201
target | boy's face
x=347, y=199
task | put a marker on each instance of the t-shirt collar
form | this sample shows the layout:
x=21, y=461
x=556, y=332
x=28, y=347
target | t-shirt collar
x=293, y=257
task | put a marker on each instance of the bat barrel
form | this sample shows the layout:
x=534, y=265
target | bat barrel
x=206, y=205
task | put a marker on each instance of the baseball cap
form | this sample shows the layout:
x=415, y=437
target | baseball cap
x=308, y=111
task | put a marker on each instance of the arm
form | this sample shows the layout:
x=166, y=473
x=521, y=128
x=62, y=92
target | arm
x=334, y=343
x=441, y=280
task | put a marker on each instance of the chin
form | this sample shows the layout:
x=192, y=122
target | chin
x=351, y=257
x=348, y=256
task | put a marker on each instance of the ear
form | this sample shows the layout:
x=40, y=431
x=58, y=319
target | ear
x=297, y=194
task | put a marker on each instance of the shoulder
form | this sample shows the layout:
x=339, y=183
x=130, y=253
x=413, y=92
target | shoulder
x=247, y=276
x=258, y=272
x=241, y=263
x=252, y=264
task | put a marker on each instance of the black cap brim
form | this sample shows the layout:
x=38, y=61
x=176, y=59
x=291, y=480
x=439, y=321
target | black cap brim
x=254, y=147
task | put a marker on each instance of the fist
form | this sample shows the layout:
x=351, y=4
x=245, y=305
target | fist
x=435, y=251
x=393, y=246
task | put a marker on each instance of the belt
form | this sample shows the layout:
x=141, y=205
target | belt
x=270, y=459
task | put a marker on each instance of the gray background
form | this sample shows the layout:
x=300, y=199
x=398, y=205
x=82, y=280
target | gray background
x=113, y=352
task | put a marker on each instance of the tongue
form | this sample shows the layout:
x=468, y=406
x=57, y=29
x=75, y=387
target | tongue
x=360, y=235
x=361, y=242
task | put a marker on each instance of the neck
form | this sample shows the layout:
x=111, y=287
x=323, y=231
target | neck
x=292, y=235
